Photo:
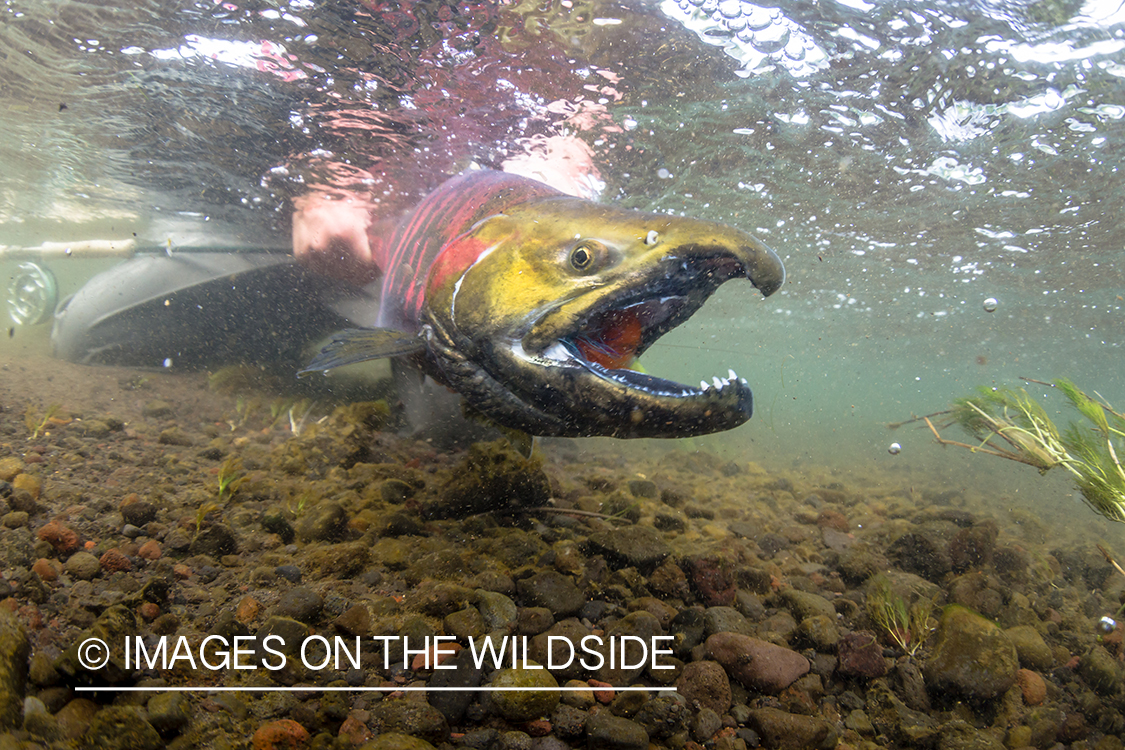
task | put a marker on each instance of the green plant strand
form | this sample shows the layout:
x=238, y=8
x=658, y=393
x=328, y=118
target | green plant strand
x=1089, y=449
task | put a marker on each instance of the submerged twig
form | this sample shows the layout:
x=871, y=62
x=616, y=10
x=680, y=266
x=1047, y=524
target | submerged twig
x=912, y=420
x=978, y=448
x=575, y=512
x=1109, y=558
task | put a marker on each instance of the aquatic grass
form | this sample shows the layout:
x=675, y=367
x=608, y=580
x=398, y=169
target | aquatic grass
x=201, y=513
x=303, y=501
x=1013, y=416
x=230, y=478
x=35, y=423
x=243, y=407
x=1011, y=424
x=299, y=414
x=907, y=626
x=279, y=410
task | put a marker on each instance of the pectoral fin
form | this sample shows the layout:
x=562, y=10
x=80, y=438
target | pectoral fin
x=362, y=344
x=521, y=442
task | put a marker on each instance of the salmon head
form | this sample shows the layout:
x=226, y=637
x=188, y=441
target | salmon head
x=536, y=314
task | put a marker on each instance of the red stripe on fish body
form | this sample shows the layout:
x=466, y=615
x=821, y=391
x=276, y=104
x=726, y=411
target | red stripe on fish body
x=433, y=235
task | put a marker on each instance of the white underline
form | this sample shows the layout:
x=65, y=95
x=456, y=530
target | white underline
x=329, y=689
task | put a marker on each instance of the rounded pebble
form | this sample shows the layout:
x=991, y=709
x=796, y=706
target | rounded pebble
x=82, y=565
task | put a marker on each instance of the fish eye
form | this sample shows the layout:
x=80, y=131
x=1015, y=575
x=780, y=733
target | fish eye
x=582, y=256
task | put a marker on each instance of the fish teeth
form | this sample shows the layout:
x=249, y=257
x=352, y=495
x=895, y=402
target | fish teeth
x=718, y=383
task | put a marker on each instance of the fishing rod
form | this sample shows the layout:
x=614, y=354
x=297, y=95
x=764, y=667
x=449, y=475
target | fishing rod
x=33, y=291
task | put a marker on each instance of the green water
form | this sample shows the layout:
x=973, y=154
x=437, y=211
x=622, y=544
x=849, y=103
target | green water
x=906, y=162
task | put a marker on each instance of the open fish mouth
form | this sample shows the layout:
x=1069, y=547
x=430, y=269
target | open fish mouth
x=577, y=365
x=613, y=339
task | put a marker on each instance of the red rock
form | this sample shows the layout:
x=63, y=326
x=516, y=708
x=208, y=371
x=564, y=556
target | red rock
x=354, y=731
x=603, y=691
x=538, y=728
x=181, y=571
x=63, y=538
x=1033, y=687
x=860, y=655
x=44, y=570
x=712, y=581
x=31, y=616
x=113, y=560
x=283, y=734
x=832, y=519
x=757, y=664
x=150, y=550
x=149, y=611
x=248, y=608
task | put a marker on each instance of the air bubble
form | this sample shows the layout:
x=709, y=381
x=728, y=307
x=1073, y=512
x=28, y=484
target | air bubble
x=894, y=449
x=991, y=304
x=773, y=40
x=730, y=8
x=795, y=50
x=758, y=19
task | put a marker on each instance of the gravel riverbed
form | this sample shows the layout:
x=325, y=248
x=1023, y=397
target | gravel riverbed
x=792, y=609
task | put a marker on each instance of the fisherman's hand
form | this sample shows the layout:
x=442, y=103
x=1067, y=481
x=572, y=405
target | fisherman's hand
x=330, y=234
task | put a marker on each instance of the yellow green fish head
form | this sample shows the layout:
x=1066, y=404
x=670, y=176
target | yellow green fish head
x=535, y=314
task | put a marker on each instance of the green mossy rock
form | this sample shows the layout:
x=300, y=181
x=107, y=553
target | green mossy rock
x=121, y=728
x=971, y=656
x=14, y=651
x=491, y=477
x=411, y=718
x=396, y=741
x=520, y=706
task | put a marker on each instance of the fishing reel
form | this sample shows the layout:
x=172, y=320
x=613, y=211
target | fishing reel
x=32, y=295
